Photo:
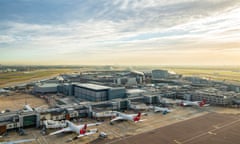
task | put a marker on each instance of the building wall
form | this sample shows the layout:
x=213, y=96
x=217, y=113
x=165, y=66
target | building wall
x=114, y=93
x=58, y=117
x=234, y=88
x=90, y=95
x=131, y=81
x=66, y=89
x=212, y=98
x=50, y=89
x=155, y=99
x=13, y=125
x=158, y=74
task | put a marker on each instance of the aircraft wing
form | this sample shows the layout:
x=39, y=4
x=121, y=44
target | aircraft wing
x=206, y=105
x=18, y=141
x=117, y=118
x=86, y=134
x=157, y=109
x=142, y=120
x=68, y=129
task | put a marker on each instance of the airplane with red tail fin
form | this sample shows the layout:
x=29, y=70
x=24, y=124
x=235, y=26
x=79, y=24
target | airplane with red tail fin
x=194, y=103
x=132, y=117
x=81, y=130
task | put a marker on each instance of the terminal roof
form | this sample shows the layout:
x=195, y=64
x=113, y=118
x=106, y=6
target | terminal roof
x=92, y=86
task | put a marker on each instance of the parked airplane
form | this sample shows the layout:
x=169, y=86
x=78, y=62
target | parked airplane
x=164, y=110
x=132, y=117
x=194, y=103
x=27, y=108
x=79, y=129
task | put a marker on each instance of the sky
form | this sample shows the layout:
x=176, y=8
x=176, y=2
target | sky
x=120, y=32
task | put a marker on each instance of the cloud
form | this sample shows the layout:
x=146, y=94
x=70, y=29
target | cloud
x=6, y=39
x=104, y=30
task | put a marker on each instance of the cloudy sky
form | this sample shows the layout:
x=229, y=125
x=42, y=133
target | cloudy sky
x=122, y=32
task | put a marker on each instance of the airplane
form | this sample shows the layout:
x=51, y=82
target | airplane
x=81, y=130
x=164, y=110
x=194, y=103
x=132, y=117
x=27, y=108
x=18, y=141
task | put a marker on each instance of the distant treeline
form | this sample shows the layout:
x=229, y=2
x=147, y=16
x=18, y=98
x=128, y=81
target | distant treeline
x=32, y=68
x=41, y=67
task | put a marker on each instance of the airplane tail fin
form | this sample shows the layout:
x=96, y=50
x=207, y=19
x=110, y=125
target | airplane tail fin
x=139, y=114
x=181, y=104
x=85, y=126
x=137, y=118
x=83, y=130
x=202, y=103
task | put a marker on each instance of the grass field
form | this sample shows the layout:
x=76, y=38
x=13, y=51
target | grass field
x=231, y=74
x=226, y=74
x=6, y=79
x=13, y=78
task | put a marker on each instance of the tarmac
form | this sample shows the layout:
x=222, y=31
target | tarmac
x=212, y=128
x=182, y=126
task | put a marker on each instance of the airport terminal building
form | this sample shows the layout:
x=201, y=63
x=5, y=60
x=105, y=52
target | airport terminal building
x=96, y=93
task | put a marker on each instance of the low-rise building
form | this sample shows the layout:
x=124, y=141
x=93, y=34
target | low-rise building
x=160, y=74
x=213, y=96
x=96, y=93
x=45, y=88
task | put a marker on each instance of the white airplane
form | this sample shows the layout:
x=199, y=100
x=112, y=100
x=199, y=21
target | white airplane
x=81, y=130
x=132, y=117
x=27, y=108
x=164, y=110
x=194, y=103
